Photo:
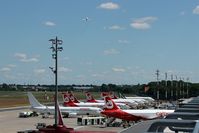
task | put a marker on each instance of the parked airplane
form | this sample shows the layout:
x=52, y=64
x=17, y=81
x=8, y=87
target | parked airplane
x=62, y=128
x=129, y=102
x=67, y=111
x=111, y=110
x=139, y=100
x=69, y=103
x=150, y=99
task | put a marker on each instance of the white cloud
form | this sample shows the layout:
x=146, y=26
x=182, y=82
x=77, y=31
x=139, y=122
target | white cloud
x=39, y=71
x=30, y=60
x=196, y=10
x=20, y=55
x=5, y=69
x=49, y=23
x=123, y=41
x=143, y=23
x=64, y=69
x=23, y=58
x=118, y=69
x=109, y=6
x=11, y=65
x=116, y=27
x=141, y=26
x=111, y=52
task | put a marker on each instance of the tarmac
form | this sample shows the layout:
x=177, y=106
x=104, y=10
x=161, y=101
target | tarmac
x=11, y=123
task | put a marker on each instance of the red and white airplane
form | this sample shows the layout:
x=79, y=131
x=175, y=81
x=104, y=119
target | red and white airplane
x=139, y=100
x=67, y=111
x=68, y=102
x=111, y=110
x=129, y=102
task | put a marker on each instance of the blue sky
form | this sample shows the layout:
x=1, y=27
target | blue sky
x=123, y=42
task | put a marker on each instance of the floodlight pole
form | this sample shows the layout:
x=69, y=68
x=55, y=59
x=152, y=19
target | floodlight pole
x=166, y=85
x=157, y=74
x=171, y=86
x=55, y=48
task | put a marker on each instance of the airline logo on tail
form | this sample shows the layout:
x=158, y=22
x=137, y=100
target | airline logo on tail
x=66, y=99
x=89, y=97
x=109, y=104
x=72, y=98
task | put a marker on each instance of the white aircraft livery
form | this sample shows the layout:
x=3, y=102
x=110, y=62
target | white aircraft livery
x=67, y=111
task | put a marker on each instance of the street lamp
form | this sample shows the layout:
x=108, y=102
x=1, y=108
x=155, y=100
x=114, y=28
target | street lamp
x=55, y=48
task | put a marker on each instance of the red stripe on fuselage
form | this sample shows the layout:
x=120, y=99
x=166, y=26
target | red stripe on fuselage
x=121, y=115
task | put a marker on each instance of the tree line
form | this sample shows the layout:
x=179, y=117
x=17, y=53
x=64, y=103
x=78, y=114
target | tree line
x=167, y=89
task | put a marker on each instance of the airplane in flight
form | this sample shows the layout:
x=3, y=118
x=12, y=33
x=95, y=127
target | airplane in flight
x=86, y=19
x=67, y=111
x=69, y=103
x=111, y=110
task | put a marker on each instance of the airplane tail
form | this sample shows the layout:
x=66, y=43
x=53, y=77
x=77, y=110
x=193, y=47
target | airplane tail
x=68, y=101
x=73, y=98
x=104, y=94
x=109, y=94
x=90, y=98
x=110, y=104
x=112, y=94
x=33, y=101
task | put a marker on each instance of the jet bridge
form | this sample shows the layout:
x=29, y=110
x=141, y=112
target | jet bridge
x=183, y=116
x=174, y=125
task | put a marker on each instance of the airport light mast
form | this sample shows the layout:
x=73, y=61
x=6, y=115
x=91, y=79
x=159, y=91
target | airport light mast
x=55, y=48
x=166, y=93
x=176, y=86
x=157, y=74
x=171, y=85
x=187, y=87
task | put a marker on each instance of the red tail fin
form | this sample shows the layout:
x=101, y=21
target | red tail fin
x=68, y=101
x=112, y=94
x=60, y=120
x=90, y=98
x=73, y=98
x=110, y=104
x=104, y=94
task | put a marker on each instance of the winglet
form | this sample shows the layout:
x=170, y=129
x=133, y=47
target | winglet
x=110, y=104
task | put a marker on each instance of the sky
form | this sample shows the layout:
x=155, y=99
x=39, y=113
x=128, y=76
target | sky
x=104, y=41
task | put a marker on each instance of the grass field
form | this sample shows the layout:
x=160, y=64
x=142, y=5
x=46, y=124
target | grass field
x=18, y=98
